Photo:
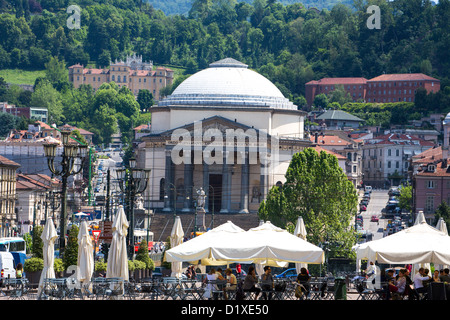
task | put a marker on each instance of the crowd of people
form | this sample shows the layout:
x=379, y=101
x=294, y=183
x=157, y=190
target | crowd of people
x=403, y=285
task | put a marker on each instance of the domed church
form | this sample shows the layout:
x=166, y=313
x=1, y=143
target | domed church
x=225, y=129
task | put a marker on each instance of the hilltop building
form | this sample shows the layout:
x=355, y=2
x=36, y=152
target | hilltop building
x=382, y=89
x=133, y=74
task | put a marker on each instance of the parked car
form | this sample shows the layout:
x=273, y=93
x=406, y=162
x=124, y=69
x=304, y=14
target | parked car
x=363, y=208
x=374, y=218
x=287, y=274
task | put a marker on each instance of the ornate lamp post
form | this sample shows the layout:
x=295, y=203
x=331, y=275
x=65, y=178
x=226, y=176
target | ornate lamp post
x=71, y=152
x=132, y=181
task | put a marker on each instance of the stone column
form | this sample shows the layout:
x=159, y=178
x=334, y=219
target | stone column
x=206, y=185
x=245, y=172
x=188, y=187
x=226, y=183
x=169, y=182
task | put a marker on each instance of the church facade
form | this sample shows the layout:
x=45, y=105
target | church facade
x=227, y=130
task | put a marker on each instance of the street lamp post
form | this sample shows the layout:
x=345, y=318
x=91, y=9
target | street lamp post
x=132, y=181
x=71, y=151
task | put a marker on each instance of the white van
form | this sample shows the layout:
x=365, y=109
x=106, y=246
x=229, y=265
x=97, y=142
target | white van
x=368, y=189
x=7, y=269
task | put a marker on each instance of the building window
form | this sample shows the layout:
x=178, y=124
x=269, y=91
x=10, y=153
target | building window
x=431, y=184
x=389, y=164
x=397, y=152
x=397, y=164
x=430, y=204
x=389, y=152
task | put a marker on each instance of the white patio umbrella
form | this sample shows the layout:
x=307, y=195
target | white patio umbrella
x=176, y=238
x=420, y=218
x=300, y=231
x=85, y=254
x=441, y=226
x=48, y=237
x=117, y=266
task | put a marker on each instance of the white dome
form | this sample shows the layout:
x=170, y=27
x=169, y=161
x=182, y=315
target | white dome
x=228, y=82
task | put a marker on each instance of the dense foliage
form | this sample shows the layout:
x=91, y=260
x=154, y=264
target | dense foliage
x=318, y=190
x=287, y=43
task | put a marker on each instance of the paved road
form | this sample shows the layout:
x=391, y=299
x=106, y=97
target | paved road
x=377, y=202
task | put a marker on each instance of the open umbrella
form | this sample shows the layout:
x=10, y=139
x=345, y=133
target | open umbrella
x=85, y=254
x=117, y=266
x=176, y=238
x=48, y=237
x=300, y=231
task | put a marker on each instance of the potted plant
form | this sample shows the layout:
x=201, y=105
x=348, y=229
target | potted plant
x=58, y=265
x=100, y=268
x=33, y=268
x=142, y=255
x=131, y=268
x=139, y=269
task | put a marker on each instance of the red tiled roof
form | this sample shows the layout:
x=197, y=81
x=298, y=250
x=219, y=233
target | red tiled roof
x=76, y=66
x=329, y=140
x=6, y=162
x=428, y=156
x=337, y=155
x=330, y=81
x=403, y=77
x=94, y=71
x=438, y=172
x=143, y=126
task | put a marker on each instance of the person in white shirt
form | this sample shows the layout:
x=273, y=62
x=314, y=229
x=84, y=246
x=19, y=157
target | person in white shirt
x=419, y=277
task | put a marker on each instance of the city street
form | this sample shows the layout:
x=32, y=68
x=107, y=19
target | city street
x=377, y=202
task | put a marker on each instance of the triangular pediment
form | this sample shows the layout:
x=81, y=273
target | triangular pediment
x=215, y=122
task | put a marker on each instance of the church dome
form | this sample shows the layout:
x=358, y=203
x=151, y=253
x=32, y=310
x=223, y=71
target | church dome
x=228, y=83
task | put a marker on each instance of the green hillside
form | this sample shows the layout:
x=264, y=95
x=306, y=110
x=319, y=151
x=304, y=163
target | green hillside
x=170, y=7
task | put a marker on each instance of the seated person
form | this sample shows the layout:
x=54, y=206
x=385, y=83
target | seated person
x=250, y=282
x=231, y=283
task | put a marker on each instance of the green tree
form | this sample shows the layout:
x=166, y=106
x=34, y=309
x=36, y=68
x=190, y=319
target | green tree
x=55, y=71
x=45, y=96
x=70, y=257
x=405, y=198
x=38, y=244
x=318, y=190
x=142, y=255
x=321, y=101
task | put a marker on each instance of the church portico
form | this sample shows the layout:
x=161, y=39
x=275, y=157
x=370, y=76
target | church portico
x=236, y=149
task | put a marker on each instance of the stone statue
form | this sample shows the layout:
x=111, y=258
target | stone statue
x=201, y=196
x=139, y=202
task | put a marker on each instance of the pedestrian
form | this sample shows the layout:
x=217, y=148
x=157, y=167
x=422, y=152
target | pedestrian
x=19, y=270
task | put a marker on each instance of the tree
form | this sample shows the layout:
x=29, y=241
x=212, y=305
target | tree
x=55, y=71
x=145, y=99
x=38, y=244
x=45, y=96
x=70, y=257
x=142, y=255
x=405, y=198
x=321, y=101
x=318, y=190
x=7, y=123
